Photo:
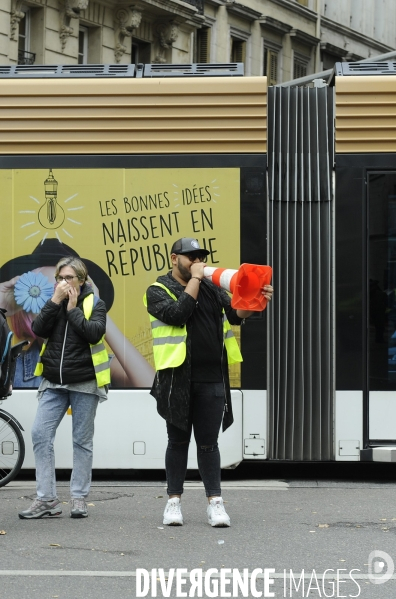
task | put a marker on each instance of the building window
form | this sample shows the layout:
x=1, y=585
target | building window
x=238, y=50
x=203, y=45
x=299, y=69
x=83, y=45
x=271, y=66
x=329, y=60
x=24, y=54
x=140, y=52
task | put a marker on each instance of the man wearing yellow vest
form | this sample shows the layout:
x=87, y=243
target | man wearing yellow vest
x=192, y=343
x=75, y=368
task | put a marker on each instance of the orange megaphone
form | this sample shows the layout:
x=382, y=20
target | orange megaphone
x=245, y=284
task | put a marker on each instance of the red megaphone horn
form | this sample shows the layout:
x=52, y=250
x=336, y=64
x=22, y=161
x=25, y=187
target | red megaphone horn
x=245, y=284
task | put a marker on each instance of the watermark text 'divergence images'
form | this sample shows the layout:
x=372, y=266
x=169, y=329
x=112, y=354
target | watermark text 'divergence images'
x=260, y=582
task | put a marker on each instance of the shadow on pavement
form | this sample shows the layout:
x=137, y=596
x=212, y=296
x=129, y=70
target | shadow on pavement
x=354, y=471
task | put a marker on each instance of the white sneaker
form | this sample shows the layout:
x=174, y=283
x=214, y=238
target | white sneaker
x=172, y=513
x=217, y=516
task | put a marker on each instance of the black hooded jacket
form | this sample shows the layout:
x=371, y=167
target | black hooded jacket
x=67, y=357
x=171, y=387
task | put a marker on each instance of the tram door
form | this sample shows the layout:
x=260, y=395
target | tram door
x=381, y=306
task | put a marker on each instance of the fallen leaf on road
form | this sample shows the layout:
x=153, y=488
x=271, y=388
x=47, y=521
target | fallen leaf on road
x=3, y=532
x=55, y=545
x=159, y=497
x=93, y=505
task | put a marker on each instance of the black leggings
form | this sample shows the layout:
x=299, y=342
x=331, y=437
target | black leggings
x=207, y=407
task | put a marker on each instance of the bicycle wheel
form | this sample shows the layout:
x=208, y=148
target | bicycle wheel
x=12, y=449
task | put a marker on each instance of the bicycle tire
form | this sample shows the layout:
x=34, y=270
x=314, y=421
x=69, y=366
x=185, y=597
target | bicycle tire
x=12, y=449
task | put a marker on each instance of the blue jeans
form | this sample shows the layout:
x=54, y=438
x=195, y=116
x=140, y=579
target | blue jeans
x=207, y=408
x=53, y=405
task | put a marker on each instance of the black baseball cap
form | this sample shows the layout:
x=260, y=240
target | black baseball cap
x=187, y=245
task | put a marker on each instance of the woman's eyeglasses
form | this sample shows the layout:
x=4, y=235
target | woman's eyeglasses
x=67, y=278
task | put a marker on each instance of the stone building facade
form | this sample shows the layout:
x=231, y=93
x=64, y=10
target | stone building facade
x=282, y=39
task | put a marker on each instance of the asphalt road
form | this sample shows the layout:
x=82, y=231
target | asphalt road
x=286, y=533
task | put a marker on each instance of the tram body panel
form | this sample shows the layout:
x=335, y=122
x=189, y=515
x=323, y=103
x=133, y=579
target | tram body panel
x=361, y=410
x=129, y=434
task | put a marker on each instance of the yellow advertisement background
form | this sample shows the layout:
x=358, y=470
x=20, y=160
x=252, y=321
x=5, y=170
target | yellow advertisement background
x=99, y=205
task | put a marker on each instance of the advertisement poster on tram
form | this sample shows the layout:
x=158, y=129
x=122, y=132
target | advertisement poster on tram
x=122, y=224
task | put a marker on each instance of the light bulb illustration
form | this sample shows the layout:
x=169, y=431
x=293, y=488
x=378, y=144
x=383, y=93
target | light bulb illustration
x=51, y=215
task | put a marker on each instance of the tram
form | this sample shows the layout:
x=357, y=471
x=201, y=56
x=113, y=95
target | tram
x=115, y=162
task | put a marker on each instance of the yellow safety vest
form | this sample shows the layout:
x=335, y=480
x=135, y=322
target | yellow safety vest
x=100, y=357
x=233, y=352
x=169, y=342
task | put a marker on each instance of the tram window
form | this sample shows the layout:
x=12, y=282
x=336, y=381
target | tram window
x=381, y=285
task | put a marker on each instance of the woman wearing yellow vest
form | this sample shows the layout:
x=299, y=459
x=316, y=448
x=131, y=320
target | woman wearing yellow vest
x=75, y=368
x=192, y=342
x=27, y=282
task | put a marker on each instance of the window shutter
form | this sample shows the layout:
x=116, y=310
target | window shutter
x=203, y=50
x=299, y=70
x=238, y=51
x=271, y=66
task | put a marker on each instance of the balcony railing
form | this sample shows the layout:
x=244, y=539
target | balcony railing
x=26, y=57
x=199, y=4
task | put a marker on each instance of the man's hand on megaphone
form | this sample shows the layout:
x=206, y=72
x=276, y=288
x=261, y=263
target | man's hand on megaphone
x=197, y=269
x=197, y=274
x=267, y=292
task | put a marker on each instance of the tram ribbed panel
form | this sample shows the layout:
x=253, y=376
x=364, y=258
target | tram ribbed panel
x=189, y=115
x=301, y=364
